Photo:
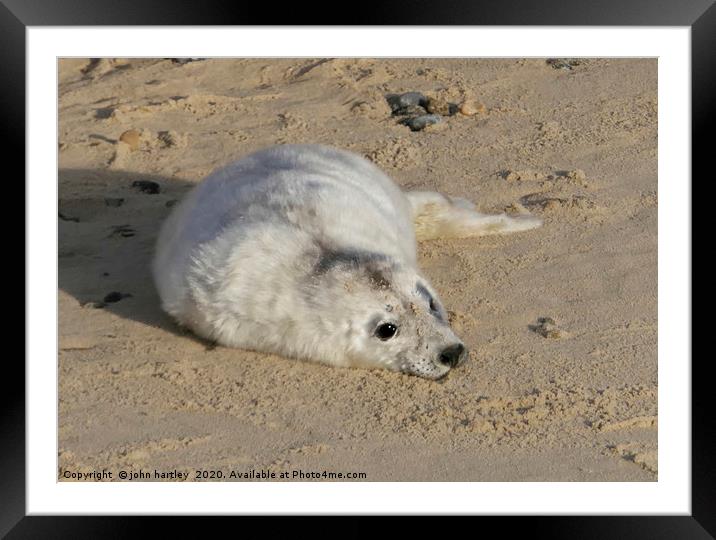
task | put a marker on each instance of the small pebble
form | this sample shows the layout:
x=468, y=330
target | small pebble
x=441, y=106
x=547, y=328
x=471, y=108
x=146, y=186
x=410, y=110
x=115, y=296
x=131, y=138
x=400, y=101
x=419, y=123
x=563, y=63
x=182, y=61
x=114, y=203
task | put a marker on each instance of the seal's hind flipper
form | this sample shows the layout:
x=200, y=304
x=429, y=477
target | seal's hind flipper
x=439, y=216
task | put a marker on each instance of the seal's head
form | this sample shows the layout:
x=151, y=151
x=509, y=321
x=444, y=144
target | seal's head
x=384, y=314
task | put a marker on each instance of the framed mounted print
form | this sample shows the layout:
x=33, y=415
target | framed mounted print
x=435, y=266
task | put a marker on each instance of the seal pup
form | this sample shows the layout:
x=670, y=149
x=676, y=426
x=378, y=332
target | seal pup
x=309, y=252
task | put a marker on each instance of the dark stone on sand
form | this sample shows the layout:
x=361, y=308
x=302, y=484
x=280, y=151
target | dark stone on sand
x=115, y=296
x=441, y=106
x=547, y=328
x=411, y=110
x=408, y=99
x=182, y=61
x=419, y=123
x=146, y=186
x=563, y=63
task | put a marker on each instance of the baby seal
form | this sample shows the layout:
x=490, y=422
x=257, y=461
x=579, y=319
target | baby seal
x=309, y=252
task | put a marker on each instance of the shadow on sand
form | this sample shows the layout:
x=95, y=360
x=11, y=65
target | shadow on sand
x=107, y=228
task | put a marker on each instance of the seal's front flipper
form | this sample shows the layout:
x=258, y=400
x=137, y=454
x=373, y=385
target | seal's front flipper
x=439, y=216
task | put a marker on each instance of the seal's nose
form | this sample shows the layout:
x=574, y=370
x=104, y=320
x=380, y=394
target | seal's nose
x=451, y=356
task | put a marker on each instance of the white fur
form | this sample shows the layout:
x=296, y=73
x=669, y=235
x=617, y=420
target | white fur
x=440, y=216
x=279, y=252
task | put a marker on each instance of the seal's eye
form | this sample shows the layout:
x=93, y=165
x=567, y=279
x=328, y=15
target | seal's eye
x=386, y=331
x=433, y=306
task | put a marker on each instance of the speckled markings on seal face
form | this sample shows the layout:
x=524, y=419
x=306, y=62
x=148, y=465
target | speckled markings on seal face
x=310, y=252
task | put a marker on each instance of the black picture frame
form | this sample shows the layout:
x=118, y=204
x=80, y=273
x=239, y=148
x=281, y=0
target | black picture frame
x=16, y=15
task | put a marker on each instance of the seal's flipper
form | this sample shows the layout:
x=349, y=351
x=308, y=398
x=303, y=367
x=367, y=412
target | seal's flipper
x=440, y=216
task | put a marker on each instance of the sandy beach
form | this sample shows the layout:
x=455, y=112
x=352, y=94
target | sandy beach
x=561, y=322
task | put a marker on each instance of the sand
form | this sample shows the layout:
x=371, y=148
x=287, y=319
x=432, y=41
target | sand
x=561, y=322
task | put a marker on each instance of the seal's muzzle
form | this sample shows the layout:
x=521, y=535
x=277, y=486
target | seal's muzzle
x=452, y=356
